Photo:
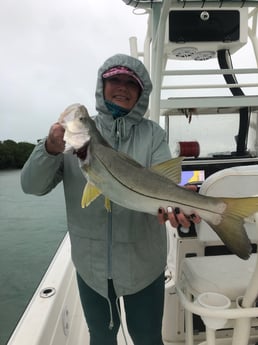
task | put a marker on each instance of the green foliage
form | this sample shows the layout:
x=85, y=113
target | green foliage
x=13, y=155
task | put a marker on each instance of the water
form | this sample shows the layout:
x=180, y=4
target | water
x=31, y=229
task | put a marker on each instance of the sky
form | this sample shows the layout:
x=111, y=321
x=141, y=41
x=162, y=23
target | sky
x=50, y=54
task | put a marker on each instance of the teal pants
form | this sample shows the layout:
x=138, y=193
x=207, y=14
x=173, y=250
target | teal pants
x=144, y=311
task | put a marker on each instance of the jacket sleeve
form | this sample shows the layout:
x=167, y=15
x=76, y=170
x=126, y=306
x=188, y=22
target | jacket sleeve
x=42, y=171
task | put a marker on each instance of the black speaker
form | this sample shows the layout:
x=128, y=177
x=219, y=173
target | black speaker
x=204, y=26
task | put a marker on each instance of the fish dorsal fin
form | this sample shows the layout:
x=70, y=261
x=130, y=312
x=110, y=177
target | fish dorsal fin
x=90, y=193
x=170, y=169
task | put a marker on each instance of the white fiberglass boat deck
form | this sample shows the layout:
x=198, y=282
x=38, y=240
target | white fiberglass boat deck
x=54, y=315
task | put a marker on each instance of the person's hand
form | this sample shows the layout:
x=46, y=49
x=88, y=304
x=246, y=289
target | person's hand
x=55, y=143
x=176, y=217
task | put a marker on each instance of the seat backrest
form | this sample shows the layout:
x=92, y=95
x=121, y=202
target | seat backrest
x=241, y=181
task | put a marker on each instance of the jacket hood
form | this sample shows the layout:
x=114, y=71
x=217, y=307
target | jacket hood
x=140, y=108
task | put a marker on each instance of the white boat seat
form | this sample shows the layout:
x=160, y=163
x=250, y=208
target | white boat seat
x=225, y=274
x=241, y=181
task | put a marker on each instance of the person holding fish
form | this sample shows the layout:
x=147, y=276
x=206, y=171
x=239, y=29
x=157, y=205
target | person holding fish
x=117, y=251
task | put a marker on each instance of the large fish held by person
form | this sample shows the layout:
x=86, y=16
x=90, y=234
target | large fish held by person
x=126, y=182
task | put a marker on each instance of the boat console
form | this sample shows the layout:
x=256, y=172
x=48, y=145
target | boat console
x=206, y=92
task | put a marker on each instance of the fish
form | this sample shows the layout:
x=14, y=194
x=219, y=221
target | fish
x=126, y=182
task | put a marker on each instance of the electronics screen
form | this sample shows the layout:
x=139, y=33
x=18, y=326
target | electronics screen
x=192, y=176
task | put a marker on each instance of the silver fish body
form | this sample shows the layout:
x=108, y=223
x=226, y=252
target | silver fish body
x=138, y=188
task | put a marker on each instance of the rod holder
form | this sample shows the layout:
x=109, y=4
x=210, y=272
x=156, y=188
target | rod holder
x=215, y=301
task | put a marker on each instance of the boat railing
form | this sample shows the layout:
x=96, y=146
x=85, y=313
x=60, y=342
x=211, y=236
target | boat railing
x=217, y=102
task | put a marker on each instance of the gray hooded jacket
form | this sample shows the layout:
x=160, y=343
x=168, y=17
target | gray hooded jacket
x=127, y=246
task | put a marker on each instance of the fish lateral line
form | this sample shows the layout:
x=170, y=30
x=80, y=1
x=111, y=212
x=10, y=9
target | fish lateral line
x=217, y=213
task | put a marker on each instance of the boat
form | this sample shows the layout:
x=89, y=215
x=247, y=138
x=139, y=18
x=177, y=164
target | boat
x=210, y=294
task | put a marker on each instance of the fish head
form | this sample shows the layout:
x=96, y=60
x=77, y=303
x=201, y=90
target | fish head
x=76, y=122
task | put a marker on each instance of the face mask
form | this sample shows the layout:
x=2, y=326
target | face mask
x=116, y=110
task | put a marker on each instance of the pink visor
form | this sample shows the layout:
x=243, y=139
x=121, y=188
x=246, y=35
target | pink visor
x=122, y=70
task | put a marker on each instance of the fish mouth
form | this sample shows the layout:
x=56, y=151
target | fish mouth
x=82, y=151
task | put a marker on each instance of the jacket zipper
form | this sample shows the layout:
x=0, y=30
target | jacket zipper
x=110, y=240
x=110, y=225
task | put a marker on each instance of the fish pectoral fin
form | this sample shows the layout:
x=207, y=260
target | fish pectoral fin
x=170, y=169
x=107, y=205
x=90, y=193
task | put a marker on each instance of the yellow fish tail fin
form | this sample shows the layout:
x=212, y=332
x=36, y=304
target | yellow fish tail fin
x=231, y=229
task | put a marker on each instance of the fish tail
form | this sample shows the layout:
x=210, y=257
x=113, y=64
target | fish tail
x=231, y=228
